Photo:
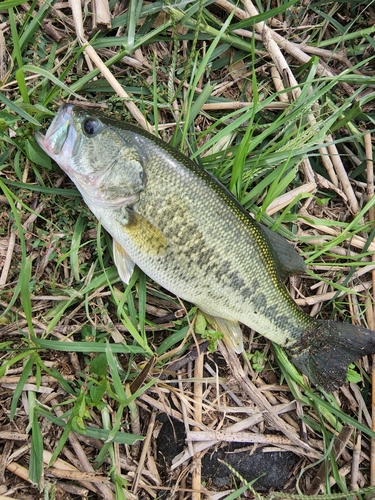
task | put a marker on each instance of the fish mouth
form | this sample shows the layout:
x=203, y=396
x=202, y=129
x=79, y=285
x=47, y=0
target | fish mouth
x=61, y=137
x=61, y=142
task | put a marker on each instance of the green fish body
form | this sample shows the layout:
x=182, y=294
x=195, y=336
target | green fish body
x=189, y=234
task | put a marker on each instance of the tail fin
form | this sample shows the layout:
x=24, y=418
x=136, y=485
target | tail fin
x=325, y=351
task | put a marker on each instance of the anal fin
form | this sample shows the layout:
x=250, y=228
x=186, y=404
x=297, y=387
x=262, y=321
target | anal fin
x=230, y=329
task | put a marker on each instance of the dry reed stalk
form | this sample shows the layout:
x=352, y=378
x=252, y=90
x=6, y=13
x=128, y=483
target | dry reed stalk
x=13, y=436
x=338, y=447
x=73, y=489
x=329, y=154
x=314, y=222
x=101, y=14
x=143, y=484
x=237, y=437
x=63, y=465
x=198, y=397
x=95, y=58
x=279, y=85
x=362, y=406
x=164, y=408
x=305, y=163
x=3, y=497
x=356, y=460
x=342, y=175
x=285, y=199
x=145, y=448
x=104, y=490
x=299, y=51
x=72, y=475
x=344, y=471
x=184, y=414
x=30, y=387
x=12, y=239
x=46, y=379
x=370, y=194
x=316, y=307
x=329, y=295
x=19, y=471
x=225, y=388
x=4, y=72
x=239, y=105
x=4, y=459
x=256, y=396
x=240, y=426
x=326, y=184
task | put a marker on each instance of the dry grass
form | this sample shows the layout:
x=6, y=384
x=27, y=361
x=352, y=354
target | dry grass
x=90, y=401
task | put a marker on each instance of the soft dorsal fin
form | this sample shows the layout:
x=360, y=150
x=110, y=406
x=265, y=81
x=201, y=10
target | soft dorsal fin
x=124, y=264
x=288, y=260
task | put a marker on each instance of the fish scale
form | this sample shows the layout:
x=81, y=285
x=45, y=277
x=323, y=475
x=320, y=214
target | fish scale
x=188, y=233
x=222, y=278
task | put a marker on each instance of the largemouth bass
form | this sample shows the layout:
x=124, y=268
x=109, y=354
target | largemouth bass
x=189, y=234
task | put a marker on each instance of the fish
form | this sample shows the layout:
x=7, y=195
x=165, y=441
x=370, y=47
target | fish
x=188, y=233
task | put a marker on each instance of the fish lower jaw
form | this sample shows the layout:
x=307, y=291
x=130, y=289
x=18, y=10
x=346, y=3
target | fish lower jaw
x=95, y=200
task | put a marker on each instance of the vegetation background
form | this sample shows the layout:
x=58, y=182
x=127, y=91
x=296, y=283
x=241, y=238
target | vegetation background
x=276, y=99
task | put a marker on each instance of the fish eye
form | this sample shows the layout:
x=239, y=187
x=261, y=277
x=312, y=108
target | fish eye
x=90, y=126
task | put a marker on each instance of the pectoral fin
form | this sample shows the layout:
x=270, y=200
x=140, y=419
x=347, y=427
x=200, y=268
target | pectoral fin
x=230, y=329
x=124, y=264
x=145, y=236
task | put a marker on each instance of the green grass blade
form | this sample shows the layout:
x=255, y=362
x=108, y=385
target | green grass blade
x=87, y=347
x=117, y=382
x=22, y=86
x=134, y=11
x=26, y=372
x=263, y=16
x=11, y=105
x=102, y=434
x=49, y=76
x=75, y=246
x=15, y=38
x=36, y=451
x=25, y=278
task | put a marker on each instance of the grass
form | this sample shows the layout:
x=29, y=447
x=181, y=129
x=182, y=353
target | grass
x=84, y=356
